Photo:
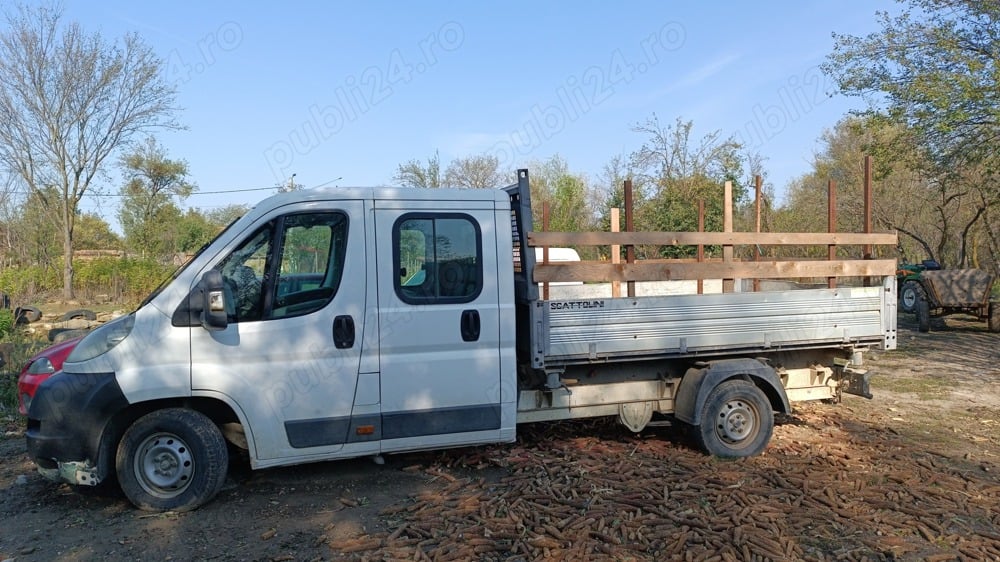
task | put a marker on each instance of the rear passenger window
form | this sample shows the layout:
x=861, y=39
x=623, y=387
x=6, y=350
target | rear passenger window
x=438, y=258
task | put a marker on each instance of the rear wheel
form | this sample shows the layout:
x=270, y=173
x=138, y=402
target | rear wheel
x=736, y=421
x=909, y=295
x=994, y=317
x=174, y=459
x=923, y=315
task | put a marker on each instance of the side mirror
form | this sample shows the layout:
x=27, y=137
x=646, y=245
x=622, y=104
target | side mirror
x=213, y=310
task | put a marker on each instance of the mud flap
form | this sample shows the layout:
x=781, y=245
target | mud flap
x=858, y=383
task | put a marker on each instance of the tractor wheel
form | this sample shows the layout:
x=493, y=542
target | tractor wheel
x=909, y=294
x=923, y=315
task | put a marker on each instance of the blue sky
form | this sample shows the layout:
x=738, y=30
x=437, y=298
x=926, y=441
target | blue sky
x=341, y=93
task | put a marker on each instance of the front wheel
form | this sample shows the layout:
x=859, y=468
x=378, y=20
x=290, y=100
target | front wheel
x=736, y=421
x=173, y=459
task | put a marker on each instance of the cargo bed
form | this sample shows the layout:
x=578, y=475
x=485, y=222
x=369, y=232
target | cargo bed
x=570, y=331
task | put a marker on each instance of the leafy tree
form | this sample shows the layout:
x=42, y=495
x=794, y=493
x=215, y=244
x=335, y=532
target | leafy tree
x=480, y=172
x=193, y=230
x=566, y=193
x=196, y=228
x=222, y=216
x=678, y=172
x=36, y=237
x=933, y=69
x=94, y=233
x=149, y=213
x=939, y=214
x=609, y=192
x=569, y=197
x=415, y=174
x=70, y=100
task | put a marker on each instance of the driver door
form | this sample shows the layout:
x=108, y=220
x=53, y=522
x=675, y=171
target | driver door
x=289, y=357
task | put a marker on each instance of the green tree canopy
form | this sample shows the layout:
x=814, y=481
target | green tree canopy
x=94, y=233
x=678, y=171
x=934, y=68
x=149, y=211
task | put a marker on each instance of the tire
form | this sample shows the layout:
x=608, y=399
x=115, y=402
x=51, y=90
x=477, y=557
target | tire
x=174, y=459
x=27, y=314
x=79, y=313
x=911, y=292
x=59, y=335
x=994, y=317
x=923, y=315
x=736, y=420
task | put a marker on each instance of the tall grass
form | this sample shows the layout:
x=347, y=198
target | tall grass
x=121, y=280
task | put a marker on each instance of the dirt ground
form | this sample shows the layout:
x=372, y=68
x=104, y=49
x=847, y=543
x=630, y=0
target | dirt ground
x=912, y=475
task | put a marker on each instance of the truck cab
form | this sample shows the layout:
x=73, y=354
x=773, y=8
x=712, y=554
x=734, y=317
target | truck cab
x=322, y=325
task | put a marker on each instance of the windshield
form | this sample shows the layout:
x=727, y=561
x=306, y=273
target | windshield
x=159, y=288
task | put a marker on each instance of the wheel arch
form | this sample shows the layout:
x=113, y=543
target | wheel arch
x=216, y=409
x=699, y=380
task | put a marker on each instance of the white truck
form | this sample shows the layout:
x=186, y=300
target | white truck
x=329, y=324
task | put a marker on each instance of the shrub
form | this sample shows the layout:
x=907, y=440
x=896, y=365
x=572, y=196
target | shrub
x=6, y=323
x=17, y=346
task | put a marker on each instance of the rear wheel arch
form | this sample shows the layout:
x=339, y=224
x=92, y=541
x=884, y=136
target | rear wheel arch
x=700, y=381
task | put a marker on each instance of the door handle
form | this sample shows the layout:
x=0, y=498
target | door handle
x=343, y=332
x=470, y=325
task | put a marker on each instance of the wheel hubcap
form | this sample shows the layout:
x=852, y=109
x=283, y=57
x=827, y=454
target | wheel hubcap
x=164, y=465
x=909, y=298
x=737, y=421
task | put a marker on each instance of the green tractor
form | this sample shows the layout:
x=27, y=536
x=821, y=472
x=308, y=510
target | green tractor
x=910, y=283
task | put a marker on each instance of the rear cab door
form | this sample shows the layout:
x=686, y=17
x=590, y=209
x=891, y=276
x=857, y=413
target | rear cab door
x=439, y=324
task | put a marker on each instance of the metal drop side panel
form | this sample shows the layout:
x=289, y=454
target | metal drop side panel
x=598, y=329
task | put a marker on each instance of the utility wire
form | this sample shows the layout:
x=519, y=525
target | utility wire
x=92, y=194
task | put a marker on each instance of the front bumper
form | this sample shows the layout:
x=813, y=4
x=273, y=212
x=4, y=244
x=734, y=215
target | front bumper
x=76, y=473
x=66, y=421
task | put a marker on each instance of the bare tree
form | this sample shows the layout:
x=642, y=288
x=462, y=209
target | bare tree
x=68, y=101
x=480, y=172
x=415, y=174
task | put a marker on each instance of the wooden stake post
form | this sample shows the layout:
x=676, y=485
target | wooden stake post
x=728, y=284
x=616, y=251
x=757, y=181
x=629, y=227
x=831, y=227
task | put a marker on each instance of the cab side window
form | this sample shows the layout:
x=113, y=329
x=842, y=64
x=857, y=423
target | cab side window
x=290, y=267
x=311, y=264
x=243, y=274
x=438, y=258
